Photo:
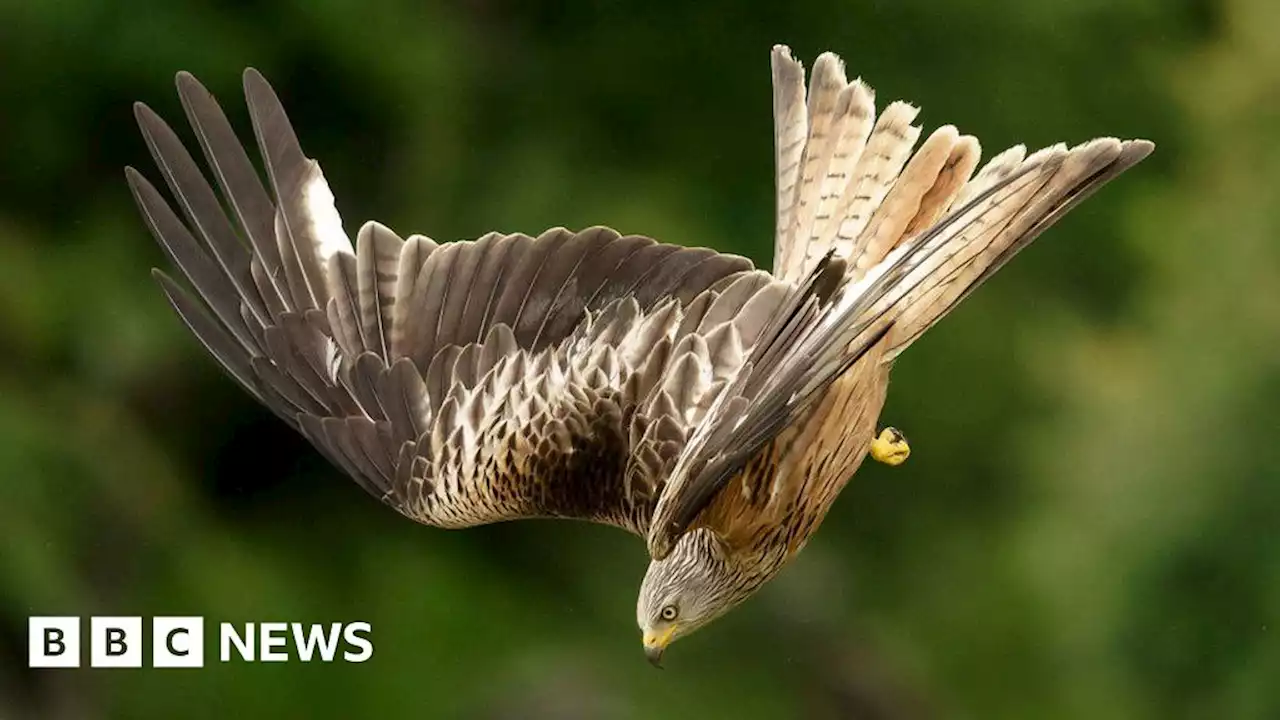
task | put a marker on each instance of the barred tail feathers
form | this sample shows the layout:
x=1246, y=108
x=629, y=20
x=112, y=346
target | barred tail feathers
x=847, y=179
x=855, y=185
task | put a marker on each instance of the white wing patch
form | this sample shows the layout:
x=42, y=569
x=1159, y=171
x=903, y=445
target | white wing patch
x=322, y=217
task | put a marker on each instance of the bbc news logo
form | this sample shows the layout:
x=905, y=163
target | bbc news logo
x=178, y=642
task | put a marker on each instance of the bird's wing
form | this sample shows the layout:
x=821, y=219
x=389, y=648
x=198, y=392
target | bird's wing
x=461, y=383
x=915, y=234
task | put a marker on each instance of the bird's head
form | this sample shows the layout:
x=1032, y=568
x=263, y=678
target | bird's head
x=697, y=583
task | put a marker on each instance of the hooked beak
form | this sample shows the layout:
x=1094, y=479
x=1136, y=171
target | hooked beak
x=655, y=643
x=654, y=655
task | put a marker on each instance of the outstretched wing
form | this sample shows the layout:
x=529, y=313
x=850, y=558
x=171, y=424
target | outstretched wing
x=460, y=383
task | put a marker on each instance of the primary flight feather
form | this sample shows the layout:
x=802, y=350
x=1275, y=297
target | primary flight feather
x=710, y=407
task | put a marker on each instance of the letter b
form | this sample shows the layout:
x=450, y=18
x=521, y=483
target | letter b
x=115, y=642
x=53, y=642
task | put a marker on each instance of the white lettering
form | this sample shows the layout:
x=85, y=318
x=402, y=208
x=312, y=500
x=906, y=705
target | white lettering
x=316, y=637
x=229, y=636
x=272, y=636
x=353, y=638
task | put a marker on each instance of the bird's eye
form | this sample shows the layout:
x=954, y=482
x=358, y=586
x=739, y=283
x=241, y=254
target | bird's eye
x=669, y=613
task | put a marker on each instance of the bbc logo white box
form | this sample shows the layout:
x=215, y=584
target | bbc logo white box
x=177, y=642
x=115, y=642
x=53, y=642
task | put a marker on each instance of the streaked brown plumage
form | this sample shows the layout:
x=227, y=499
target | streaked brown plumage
x=712, y=408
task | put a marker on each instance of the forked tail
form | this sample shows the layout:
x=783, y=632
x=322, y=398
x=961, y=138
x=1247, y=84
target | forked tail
x=849, y=184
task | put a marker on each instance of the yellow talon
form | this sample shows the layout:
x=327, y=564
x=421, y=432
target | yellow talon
x=890, y=447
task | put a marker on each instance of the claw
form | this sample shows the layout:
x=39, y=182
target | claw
x=890, y=447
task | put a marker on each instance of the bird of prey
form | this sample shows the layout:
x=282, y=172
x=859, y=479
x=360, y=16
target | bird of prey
x=710, y=407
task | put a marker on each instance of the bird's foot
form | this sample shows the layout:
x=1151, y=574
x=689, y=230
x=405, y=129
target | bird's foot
x=890, y=447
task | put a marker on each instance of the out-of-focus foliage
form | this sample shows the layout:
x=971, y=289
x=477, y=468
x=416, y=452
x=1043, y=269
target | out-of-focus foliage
x=1086, y=527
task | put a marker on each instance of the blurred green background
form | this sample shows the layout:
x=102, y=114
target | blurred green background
x=1087, y=527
